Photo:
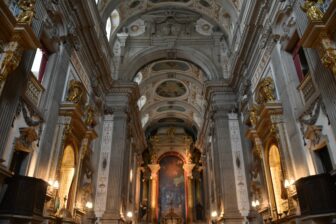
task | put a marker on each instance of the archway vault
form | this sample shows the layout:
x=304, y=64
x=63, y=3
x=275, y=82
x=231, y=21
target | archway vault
x=171, y=95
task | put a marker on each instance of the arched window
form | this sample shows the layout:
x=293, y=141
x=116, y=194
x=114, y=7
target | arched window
x=142, y=101
x=138, y=78
x=112, y=23
x=108, y=28
x=144, y=120
x=115, y=20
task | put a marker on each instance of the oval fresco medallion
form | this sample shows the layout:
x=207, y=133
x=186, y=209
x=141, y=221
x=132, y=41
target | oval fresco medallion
x=171, y=89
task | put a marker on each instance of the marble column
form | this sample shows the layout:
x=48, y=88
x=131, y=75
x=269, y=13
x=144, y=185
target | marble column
x=115, y=186
x=104, y=163
x=121, y=109
x=223, y=150
x=222, y=103
x=154, y=192
x=239, y=166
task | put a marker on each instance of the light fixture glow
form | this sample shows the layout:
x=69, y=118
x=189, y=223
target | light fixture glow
x=131, y=175
x=214, y=214
x=89, y=205
x=129, y=214
x=55, y=184
x=288, y=183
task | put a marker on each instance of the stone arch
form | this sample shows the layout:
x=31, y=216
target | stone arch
x=112, y=5
x=138, y=61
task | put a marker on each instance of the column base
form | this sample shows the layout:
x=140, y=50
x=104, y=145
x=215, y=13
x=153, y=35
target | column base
x=233, y=217
x=111, y=218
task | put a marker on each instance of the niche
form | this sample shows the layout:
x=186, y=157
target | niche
x=67, y=173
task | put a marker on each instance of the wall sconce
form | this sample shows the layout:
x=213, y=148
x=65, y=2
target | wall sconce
x=129, y=214
x=89, y=205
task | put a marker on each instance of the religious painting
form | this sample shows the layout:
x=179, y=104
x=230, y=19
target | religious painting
x=171, y=89
x=171, y=187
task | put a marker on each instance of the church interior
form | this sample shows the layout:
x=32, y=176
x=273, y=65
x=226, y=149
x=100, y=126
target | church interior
x=167, y=111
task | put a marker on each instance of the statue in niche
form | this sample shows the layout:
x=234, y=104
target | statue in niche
x=23, y=146
x=28, y=12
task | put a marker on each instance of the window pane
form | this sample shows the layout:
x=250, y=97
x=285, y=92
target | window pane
x=37, y=63
x=108, y=28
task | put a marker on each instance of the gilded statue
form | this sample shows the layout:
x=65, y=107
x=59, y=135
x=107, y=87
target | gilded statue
x=265, y=91
x=329, y=60
x=154, y=156
x=312, y=10
x=188, y=156
x=11, y=60
x=253, y=117
x=327, y=51
x=90, y=117
x=28, y=12
x=75, y=91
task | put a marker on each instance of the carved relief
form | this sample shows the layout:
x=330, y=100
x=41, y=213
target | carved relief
x=24, y=143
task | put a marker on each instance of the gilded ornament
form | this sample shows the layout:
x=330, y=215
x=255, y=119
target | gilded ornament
x=28, y=11
x=329, y=60
x=327, y=51
x=313, y=12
